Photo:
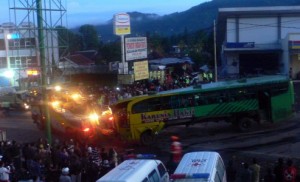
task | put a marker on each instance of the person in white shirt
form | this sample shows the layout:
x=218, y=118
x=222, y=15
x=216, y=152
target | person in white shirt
x=4, y=172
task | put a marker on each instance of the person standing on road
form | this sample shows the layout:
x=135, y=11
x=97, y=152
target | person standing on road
x=255, y=168
x=278, y=170
x=176, y=153
x=4, y=172
x=231, y=171
x=64, y=177
x=245, y=174
x=290, y=172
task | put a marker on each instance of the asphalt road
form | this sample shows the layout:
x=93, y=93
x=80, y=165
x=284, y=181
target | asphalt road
x=20, y=127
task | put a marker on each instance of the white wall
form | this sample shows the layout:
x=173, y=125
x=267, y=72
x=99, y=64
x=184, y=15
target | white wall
x=258, y=30
x=290, y=25
x=231, y=35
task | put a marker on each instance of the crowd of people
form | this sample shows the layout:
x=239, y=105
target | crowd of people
x=280, y=171
x=64, y=161
x=73, y=161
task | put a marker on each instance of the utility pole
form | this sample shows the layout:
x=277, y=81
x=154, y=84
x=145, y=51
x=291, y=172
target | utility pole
x=215, y=53
x=43, y=67
x=123, y=54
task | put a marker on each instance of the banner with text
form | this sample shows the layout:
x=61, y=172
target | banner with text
x=141, y=70
x=135, y=48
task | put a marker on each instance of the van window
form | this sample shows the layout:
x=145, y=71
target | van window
x=217, y=177
x=161, y=169
x=220, y=169
x=153, y=176
x=145, y=180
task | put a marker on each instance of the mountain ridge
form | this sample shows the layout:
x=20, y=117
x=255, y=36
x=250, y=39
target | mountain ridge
x=193, y=19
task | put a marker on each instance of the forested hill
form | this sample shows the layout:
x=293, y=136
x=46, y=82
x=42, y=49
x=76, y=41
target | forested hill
x=197, y=17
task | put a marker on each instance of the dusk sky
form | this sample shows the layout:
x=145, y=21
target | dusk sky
x=99, y=11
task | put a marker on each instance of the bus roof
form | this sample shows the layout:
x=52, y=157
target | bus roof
x=130, y=170
x=230, y=84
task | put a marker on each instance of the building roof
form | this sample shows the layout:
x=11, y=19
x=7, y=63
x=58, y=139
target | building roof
x=91, y=54
x=259, y=11
x=80, y=60
x=167, y=61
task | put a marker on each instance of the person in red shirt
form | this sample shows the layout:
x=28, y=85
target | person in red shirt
x=175, y=153
x=176, y=149
x=290, y=172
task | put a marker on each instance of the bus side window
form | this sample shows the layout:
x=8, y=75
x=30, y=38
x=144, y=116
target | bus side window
x=175, y=102
x=153, y=104
x=184, y=102
x=165, y=103
x=191, y=101
x=140, y=107
x=212, y=98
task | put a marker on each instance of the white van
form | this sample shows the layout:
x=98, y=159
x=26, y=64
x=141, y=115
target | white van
x=200, y=166
x=137, y=170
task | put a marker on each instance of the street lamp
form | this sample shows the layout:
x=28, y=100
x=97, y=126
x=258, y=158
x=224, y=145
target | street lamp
x=9, y=74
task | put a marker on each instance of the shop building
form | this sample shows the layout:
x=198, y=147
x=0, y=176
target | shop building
x=19, y=54
x=260, y=40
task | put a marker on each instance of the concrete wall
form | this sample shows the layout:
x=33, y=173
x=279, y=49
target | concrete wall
x=289, y=25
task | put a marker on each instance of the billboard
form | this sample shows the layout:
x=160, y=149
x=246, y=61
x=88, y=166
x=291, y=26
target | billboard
x=121, y=24
x=141, y=70
x=135, y=48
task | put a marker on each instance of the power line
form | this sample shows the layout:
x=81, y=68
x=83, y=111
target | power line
x=263, y=25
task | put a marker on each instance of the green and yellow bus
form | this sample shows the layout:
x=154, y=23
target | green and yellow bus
x=240, y=102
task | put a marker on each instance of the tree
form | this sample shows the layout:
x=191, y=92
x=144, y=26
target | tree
x=89, y=37
x=68, y=41
x=110, y=52
x=155, y=45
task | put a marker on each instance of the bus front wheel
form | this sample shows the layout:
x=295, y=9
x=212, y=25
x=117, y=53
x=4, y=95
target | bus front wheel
x=147, y=138
x=245, y=124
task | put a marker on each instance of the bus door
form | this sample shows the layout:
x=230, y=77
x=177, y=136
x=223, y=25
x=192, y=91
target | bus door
x=264, y=99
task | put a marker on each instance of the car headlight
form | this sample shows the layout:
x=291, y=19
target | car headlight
x=94, y=117
x=26, y=106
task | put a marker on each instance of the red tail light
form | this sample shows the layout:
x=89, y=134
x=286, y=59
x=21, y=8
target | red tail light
x=86, y=129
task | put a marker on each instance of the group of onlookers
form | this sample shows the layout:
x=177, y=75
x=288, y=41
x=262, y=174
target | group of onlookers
x=72, y=161
x=245, y=172
x=61, y=161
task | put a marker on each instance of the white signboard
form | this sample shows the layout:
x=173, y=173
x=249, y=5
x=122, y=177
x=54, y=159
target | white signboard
x=121, y=24
x=135, y=48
